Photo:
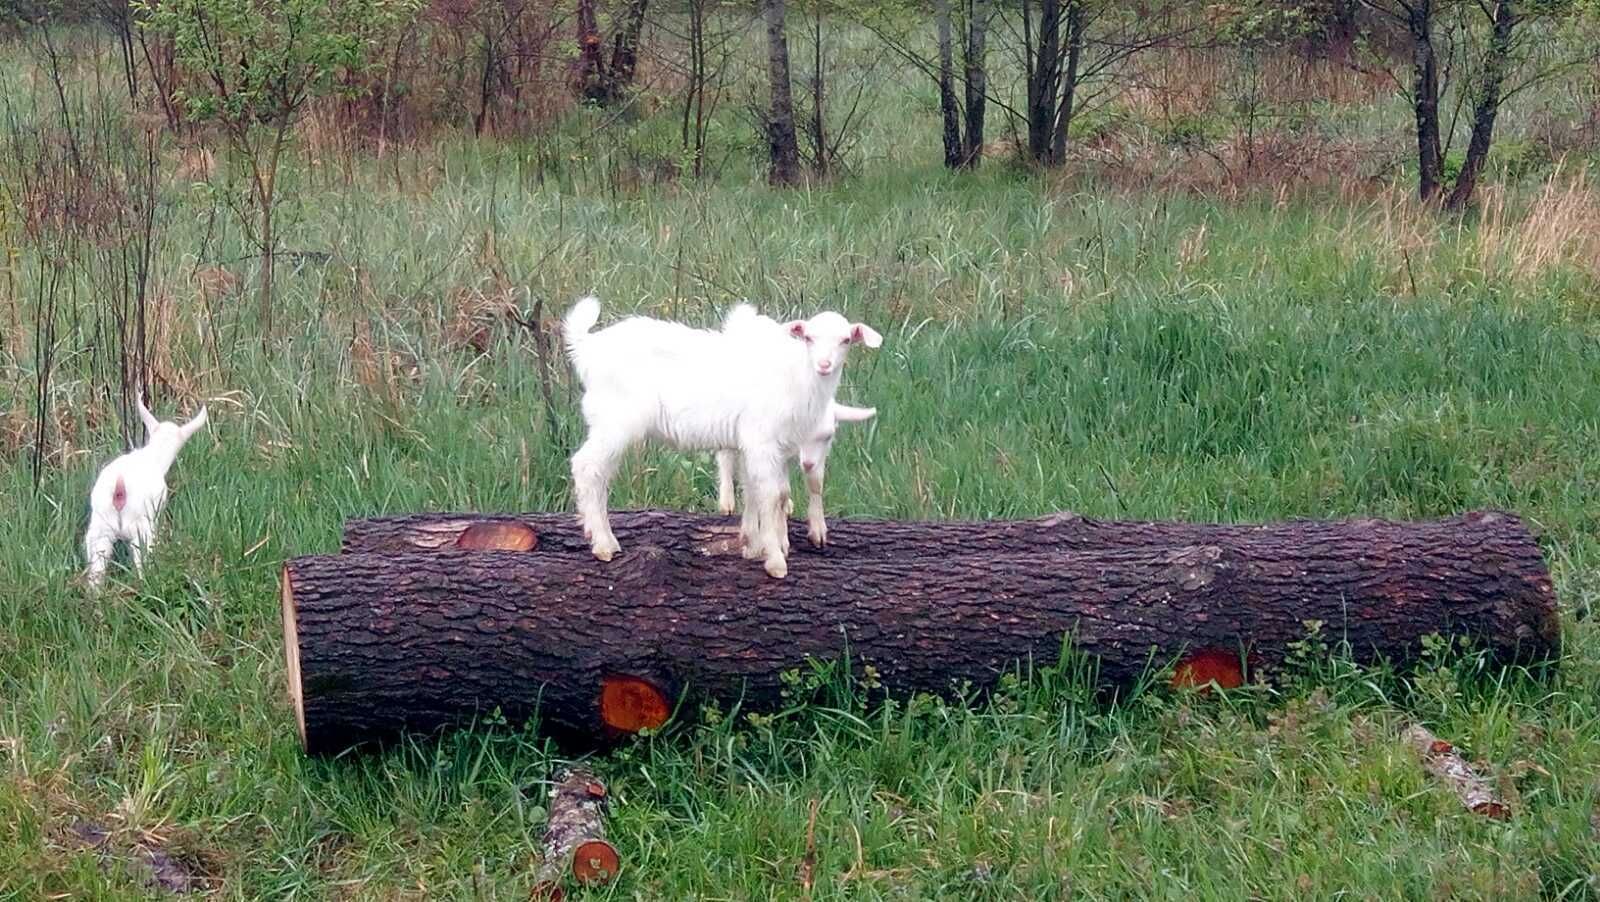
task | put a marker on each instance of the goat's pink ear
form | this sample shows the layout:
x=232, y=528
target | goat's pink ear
x=844, y=413
x=865, y=334
x=797, y=328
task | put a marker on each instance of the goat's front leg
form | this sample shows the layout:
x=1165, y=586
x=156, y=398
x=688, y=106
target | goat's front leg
x=727, y=461
x=816, y=524
x=765, y=487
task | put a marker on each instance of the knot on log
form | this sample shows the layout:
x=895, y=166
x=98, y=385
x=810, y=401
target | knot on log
x=718, y=540
x=1194, y=566
x=1060, y=518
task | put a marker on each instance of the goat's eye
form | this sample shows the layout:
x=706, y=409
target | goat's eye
x=845, y=341
x=807, y=338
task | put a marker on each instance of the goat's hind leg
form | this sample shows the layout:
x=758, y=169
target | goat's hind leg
x=99, y=545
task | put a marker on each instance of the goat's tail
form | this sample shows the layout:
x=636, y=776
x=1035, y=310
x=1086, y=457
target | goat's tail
x=578, y=321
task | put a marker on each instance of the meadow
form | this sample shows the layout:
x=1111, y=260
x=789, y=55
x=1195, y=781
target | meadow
x=1127, y=348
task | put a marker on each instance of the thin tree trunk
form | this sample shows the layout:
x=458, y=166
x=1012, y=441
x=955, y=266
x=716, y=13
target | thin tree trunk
x=1069, y=81
x=978, y=13
x=625, y=49
x=1425, y=100
x=591, y=64
x=819, y=93
x=379, y=643
x=1496, y=62
x=1044, y=81
x=782, y=141
x=954, y=153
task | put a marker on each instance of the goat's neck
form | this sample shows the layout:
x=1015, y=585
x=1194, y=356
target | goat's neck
x=158, y=456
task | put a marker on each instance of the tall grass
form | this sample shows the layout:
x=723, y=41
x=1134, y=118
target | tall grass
x=1049, y=345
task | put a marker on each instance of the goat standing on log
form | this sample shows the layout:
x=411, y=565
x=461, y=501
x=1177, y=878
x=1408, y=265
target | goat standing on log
x=129, y=493
x=761, y=393
x=812, y=452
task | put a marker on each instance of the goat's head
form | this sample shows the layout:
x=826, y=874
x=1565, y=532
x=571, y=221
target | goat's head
x=814, y=450
x=167, y=432
x=828, y=337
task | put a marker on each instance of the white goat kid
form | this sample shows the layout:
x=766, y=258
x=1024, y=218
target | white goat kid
x=760, y=393
x=129, y=493
x=743, y=320
x=813, y=455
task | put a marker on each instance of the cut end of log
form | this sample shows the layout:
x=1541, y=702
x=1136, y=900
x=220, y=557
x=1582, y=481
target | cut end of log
x=1207, y=666
x=1492, y=810
x=291, y=655
x=498, y=535
x=595, y=862
x=629, y=704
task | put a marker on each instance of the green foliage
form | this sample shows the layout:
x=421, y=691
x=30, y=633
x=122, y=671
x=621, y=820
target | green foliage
x=250, y=61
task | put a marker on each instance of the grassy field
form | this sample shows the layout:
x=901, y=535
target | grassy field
x=1050, y=343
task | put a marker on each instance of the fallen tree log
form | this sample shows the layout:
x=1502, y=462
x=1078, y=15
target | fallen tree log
x=381, y=643
x=575, y=845
x=717, y=534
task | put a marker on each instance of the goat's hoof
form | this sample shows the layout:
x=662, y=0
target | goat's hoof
x=726, y=508
x=605, y=551
x=777, y=568
x=818, y=536
x=788, y=506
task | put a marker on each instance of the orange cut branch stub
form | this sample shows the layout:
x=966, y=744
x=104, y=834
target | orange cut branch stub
x=595, y=861
x=498, y=535
x=1207, y=666
x=629, y=704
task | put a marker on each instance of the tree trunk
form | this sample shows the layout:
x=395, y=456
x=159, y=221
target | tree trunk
x=977, y=81
x=1496, y=62
x=819, y=94
x=781, y=138
x=1425, y=100
x=625, y=49
x=575, y=846
x=1069, y=81
x=591, y=63
x=379, y=643
x=1044, y=80
x=715, y=534
x=954, y=152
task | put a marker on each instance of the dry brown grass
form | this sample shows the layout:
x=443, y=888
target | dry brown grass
x=1558, y=228
x=1513, y=239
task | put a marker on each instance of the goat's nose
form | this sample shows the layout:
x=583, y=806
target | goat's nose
x=808, y=465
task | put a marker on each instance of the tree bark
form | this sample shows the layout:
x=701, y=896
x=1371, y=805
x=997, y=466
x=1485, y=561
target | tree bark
x=625, y=50
x=1069, y=81
x=782, y=141
x=1425, y=100
x=977, y=81
x=1043, y=78
x=591, y=63
x=380, y=643
x=575, y=846
x=949, y=111
x=1496, y=62
x=717, y=534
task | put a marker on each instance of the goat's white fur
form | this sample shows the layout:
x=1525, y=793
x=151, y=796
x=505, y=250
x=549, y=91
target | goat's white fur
x=760, y=392
x=813, y=456
x=129, y=492
x=812, y=452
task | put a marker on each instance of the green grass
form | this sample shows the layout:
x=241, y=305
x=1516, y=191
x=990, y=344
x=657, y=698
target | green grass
x=1048, y=345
